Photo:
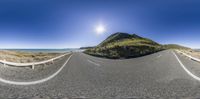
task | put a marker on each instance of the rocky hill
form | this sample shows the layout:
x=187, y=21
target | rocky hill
x=124, y=45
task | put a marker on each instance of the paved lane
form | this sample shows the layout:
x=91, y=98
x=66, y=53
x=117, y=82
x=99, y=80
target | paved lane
x=154, y=76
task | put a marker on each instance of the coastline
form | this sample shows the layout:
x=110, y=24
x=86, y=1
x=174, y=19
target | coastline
x=43, y=50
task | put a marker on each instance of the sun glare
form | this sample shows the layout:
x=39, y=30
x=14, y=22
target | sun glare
x=100, y=29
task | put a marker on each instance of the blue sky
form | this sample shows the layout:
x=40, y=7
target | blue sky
x=71, y=23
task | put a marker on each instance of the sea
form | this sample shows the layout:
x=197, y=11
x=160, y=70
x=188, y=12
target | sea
x=47, y=50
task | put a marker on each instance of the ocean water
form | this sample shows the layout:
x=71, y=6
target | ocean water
x=47, y=50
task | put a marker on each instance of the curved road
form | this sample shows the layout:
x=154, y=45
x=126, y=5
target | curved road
x=158, y=75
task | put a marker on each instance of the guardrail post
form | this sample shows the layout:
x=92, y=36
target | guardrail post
x=4, y=64
x=33, y=66
x=52, y=61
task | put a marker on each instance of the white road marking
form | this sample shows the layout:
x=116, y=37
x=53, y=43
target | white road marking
x=191, y=74
x=158, y=56
x=93, y=63
x=37, y=81
x=91, y=59
x=96, y=60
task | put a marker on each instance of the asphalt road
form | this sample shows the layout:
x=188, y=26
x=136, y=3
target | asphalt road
x=158, y=75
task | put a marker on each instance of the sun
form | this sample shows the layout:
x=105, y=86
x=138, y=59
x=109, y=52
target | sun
x=100, y=29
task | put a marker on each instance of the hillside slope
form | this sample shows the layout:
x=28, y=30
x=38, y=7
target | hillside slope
x=124, y=45
x=175, y=46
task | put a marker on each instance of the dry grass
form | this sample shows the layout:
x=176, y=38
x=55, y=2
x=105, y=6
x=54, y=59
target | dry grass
x=193, y=53
x=25, y=57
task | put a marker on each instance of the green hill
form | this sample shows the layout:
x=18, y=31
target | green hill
x=124, y=45
x=118, y=36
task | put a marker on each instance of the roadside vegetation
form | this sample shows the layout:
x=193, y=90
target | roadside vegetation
x=175, y=46
x=193, y=53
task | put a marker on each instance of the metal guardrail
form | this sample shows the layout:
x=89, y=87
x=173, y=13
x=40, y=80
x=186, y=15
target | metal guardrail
x=31, y=64
x=193, y=58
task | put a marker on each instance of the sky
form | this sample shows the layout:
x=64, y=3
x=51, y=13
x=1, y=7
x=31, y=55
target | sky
x=72, y=23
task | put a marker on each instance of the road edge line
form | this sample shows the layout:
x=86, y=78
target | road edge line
x=183, y=66
x=37, y=81
x=93, y=62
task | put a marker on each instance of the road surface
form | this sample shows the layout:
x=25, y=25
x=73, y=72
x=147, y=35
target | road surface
x=158, y=75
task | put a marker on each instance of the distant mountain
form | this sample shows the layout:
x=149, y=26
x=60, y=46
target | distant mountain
x=124, y=45
x=86, y=47
x=197, y=50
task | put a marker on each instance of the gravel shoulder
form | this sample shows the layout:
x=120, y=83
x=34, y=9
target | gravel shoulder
x=193, y=53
